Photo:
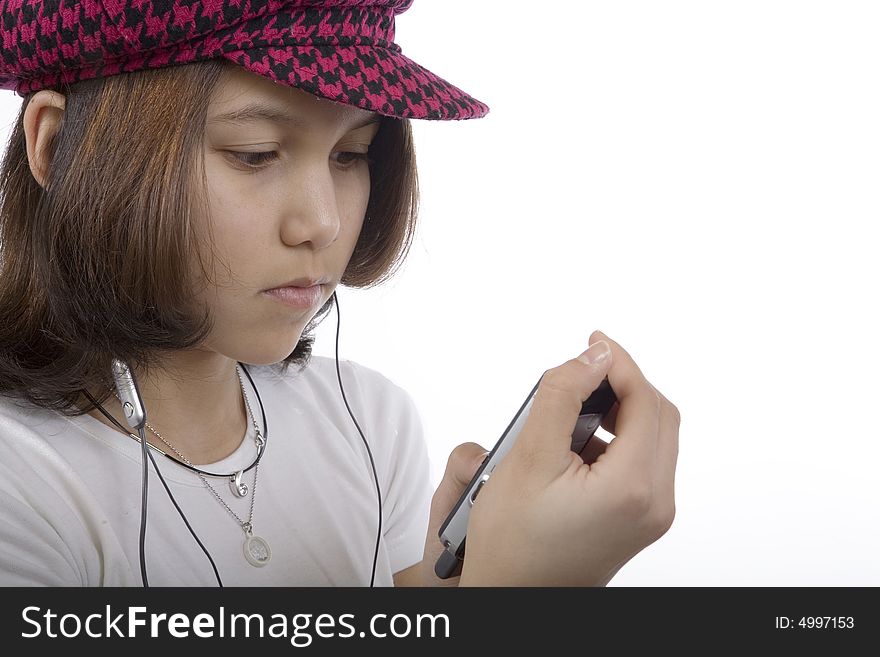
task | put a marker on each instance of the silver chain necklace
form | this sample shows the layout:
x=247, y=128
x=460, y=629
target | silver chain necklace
x=256, y=548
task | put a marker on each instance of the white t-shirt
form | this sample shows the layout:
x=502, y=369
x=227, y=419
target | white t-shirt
x=70, y=492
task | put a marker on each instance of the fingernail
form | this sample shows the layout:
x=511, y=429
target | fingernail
x=598, y=352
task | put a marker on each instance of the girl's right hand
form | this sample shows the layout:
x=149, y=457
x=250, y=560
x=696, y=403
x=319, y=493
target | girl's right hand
x=547, y=518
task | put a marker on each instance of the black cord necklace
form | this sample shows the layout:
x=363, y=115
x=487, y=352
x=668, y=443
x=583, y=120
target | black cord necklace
x=261, y=444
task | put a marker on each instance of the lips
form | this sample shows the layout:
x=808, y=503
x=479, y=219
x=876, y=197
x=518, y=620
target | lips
x=302, y=293
x=296, y=296
x=302, y=282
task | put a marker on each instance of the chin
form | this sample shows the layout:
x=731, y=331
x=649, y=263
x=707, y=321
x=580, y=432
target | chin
x=262, y=351
x=268, y=356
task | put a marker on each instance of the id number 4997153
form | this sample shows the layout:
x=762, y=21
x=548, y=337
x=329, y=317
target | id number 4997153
x=815, y=623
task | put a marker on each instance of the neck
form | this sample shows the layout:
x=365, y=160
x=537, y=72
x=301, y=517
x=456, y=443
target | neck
x=194, y=401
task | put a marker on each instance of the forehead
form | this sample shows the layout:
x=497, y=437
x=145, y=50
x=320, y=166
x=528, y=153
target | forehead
x=242, y=97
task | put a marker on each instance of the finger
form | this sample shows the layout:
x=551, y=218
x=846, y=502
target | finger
x=637, y=421
x=545, y=439
x=609, y=420
x=463, y=462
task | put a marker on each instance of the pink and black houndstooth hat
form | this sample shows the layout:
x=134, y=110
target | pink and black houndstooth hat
x=342, y=50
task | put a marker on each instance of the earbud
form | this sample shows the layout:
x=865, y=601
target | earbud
x=129, y=395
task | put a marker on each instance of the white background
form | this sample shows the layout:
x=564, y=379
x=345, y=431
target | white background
x=697, y=179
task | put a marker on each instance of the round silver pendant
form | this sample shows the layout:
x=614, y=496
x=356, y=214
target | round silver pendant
x=257, y=551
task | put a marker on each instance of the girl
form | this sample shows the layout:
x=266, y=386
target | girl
x=186, y=185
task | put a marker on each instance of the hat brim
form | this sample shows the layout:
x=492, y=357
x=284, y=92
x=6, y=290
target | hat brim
x=372, y=78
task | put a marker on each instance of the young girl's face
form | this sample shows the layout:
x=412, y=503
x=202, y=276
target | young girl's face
x=287, y=193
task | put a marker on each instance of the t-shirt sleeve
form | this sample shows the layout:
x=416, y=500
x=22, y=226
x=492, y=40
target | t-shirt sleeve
x=32, y=551
x=404, y=470
x=52, y=533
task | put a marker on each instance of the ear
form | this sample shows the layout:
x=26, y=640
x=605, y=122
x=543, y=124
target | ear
x=42, y=119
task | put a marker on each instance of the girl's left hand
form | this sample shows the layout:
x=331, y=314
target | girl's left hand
x=463, y=463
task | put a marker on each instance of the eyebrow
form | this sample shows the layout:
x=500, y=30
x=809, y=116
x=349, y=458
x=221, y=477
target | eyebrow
x=263, y=112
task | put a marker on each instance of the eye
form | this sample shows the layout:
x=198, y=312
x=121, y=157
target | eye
x=253, y=160
x=348, y=159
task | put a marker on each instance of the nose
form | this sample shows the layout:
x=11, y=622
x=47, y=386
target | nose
x=312, y=210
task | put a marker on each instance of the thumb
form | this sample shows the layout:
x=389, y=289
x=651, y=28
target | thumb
x=463, y=462
x=545, y=440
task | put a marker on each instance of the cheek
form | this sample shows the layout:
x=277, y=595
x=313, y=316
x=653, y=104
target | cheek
x=229, y=217
x=353, y=196
x=226, y=257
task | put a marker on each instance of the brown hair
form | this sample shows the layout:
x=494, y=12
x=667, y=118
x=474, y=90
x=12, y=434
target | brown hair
x=98, y=265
